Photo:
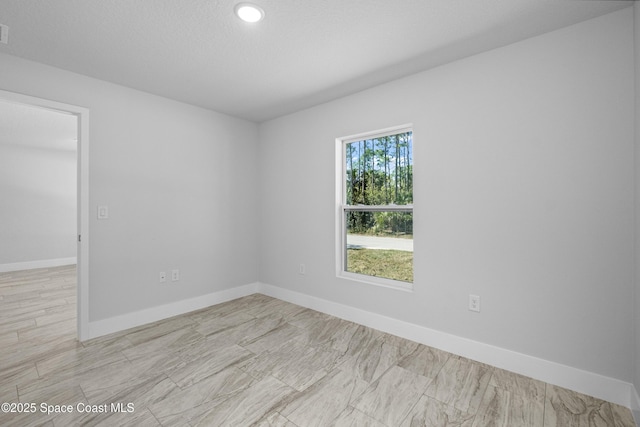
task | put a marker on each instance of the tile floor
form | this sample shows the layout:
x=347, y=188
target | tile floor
x=254, y=361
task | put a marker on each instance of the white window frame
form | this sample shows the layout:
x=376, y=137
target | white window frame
x=342, y=208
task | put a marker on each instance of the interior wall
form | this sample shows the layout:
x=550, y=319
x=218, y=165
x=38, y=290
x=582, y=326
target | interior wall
x=179, y=182
x=523, y=189
x=38, y=203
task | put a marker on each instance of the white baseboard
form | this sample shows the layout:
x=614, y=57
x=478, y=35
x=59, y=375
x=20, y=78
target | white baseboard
x=606, y=388
x=30, y=265
x=609, y=389
x=130, y=320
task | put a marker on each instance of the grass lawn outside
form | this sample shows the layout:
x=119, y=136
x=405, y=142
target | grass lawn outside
x=390, y=264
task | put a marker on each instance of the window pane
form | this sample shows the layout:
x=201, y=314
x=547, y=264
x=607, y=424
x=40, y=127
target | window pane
x=379, y=171
x=380, y=243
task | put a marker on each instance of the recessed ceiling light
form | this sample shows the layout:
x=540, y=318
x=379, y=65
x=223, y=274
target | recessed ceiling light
x=249, y=12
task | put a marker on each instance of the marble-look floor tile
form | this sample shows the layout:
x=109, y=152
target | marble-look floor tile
x=249, y=406
x=22, y=288
x=425, y=361
x=50, y=332
x=49, y=318
x=350, y=338
x=622, y=417
x=272, y=339
x=76, y=362
x=233, y=306
x=60, y=283
x=103, y=384
x=322, y=332
x=501, y=408
x=246, y=332
x=193, y=371
x=171, y=341
x=108, y=344
x=60, y=383
x=153, y=365
x=461, y=383
x=199, y=399
x=13, y=312
x=285, y=309
x=26, y=420
x=275, y=419
x=11, y=376
x=202, y=348
x=61, y=294
x=18, y=354
x=351, y=417
x=372, y=359
x=293, y=363
x=404, y=346
x=138, y=418
x=142, y=392
x=211, y=325
x=512, y=400
x=518, y=384
x=391, y=397
x=324, y=401
x=568, y=408
x=54, y=393
x=19, y=297
x=308, y=318
x=429, y=412
x=159, y=329
x=15, y=325
x=29, y=309
x=8, y=393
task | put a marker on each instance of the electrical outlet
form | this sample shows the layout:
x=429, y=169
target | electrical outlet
x=474, y=303
x=302, y=270
x=163, y=277
x=175, y=275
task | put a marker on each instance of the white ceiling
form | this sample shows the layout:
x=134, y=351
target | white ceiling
x=29, y=126
x=305, y=52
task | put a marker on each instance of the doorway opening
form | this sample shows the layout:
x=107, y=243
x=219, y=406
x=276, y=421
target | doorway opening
x=81, y=149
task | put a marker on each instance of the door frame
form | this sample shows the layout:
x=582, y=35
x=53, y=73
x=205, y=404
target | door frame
x=82, y=199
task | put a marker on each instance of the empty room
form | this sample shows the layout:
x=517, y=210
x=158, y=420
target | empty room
x=320, y=213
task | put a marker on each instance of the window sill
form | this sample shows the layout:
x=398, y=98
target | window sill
x=376, y=281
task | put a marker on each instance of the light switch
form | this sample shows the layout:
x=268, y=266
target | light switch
x=103, y=212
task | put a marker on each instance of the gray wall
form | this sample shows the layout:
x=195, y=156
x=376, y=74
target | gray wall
x=523, y=195
x=179, y=182
x=38, y=204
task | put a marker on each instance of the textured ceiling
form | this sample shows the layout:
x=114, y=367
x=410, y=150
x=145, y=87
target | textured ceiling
x=305, y=52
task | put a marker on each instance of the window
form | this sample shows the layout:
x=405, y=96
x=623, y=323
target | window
x=375, y=207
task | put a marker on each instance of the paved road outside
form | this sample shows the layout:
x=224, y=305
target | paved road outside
x=375, y=242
